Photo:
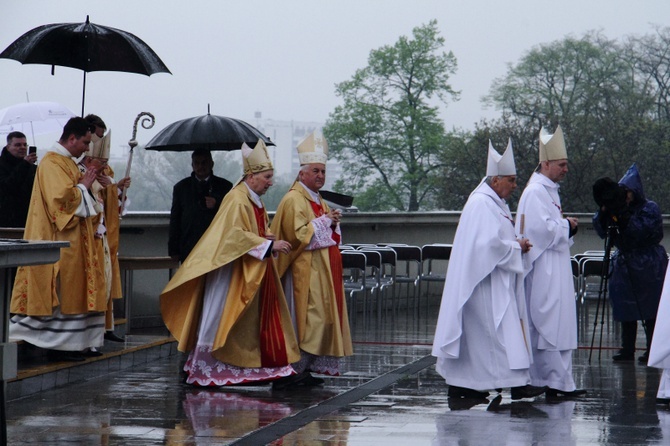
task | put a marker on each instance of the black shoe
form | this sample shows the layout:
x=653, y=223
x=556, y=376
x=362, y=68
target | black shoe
x=311, y=381
x=527, y=391
x=286, y=381
x=494, y=405
x=644, y=358
x=462, y=392
x=555, y=393
x=91, y=353
x=65, y=356
x=624, y=356
x=465, y=403
x=661, y=401
x=111, y=336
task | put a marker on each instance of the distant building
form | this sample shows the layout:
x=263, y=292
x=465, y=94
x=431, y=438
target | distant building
x=286, y=135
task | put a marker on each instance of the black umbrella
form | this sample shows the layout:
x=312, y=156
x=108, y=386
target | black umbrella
x=86, y=46
x=209, y=132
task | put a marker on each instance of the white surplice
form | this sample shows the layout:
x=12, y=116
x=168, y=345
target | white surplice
x=550, y=293
x=481, y=335
x=659, y=353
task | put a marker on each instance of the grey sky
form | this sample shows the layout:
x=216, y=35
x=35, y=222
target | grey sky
x=282, y=58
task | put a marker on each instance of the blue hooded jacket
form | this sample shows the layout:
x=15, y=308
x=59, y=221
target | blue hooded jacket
x=638, y=266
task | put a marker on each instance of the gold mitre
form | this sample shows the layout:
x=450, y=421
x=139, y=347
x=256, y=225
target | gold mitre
x=99, y=147
x=313, y=149
x=256, y=160
x=552, y=147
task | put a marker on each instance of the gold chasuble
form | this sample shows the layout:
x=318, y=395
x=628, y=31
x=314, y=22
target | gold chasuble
x=110, y=196
x=318, y=290
x=76, y=281
x=255, y=329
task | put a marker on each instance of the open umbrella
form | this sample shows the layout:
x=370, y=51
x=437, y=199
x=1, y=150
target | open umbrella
x=210, y=132
x=35, y=118
x=86, y=46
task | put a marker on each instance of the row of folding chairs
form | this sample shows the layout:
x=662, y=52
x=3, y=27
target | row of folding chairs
x=373, y=271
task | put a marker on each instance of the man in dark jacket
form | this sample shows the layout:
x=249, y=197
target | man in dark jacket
x=195, y=201
x=17, y=173
x=639, y=264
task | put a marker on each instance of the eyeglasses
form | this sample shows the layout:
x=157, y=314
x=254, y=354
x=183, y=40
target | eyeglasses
x=100, y=160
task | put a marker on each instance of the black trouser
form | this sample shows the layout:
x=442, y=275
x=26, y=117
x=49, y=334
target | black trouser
x=629, y=334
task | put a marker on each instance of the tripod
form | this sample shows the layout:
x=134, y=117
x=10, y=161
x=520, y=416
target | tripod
x=602, y=291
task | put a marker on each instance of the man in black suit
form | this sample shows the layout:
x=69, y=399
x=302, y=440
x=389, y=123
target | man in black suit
x=195, y=201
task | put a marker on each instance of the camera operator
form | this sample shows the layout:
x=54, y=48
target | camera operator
x=635, y=227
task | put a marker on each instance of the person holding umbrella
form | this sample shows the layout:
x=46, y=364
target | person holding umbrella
x=225, y=305
x=17, y=173
x=195, y=201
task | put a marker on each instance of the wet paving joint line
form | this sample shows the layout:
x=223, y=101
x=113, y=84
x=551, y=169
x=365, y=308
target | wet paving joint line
x=285, y=426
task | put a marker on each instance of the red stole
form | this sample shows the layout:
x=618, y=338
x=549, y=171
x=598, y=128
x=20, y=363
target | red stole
x=272, y=342
x=335, y=264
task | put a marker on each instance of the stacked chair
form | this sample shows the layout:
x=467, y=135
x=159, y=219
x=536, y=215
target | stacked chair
x=587, y=271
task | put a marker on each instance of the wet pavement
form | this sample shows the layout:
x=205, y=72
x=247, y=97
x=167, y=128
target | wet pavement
x=388, y=394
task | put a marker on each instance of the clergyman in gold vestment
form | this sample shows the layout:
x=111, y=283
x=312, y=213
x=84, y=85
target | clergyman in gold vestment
x=312, y=272
x=61, y=307
x=225, y=304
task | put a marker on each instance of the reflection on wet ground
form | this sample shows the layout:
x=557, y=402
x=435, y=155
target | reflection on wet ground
x=388, y=393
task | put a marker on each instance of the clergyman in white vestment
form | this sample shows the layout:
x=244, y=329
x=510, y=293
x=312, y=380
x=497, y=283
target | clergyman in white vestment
x=481, y=338
x=550, y=294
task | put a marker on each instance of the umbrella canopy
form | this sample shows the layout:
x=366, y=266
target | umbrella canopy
x=207, y=132
x=34, y=118
x=85, y=46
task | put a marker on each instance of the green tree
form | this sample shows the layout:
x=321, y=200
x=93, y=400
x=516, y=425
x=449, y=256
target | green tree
x=590, y=87
x=387, y=133
x=650, y=54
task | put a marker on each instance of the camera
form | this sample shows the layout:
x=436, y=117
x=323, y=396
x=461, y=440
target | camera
x=608, y=194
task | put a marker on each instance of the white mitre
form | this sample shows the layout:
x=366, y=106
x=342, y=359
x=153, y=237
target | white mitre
x=500, y=165
x=552, y=147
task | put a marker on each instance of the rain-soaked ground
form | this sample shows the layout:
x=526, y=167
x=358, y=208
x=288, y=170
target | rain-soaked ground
x=388, y=394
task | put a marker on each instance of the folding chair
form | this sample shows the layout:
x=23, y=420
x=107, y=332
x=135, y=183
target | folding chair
x=432, y=256
x=408, y=270
x=373, y=279
x=591, y=269
x=387, y=278
x=574, y=263
x=591, y=272
x=353, y=271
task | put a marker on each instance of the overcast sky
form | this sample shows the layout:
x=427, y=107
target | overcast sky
x=283, y=58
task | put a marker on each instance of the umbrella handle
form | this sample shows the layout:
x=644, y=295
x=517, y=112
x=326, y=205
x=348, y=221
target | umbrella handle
x=147, y=122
